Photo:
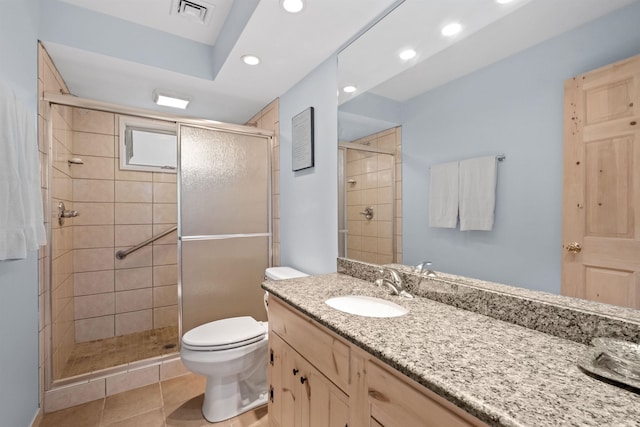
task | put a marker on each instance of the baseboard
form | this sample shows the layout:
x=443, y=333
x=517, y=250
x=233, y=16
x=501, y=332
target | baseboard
x=37, y=419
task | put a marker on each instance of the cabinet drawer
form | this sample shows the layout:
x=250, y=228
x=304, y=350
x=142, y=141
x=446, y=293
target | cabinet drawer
x=328, y=354
x=395, y=402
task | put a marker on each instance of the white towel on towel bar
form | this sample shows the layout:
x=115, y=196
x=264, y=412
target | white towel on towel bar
x=478, y=193
x=443, y=195
x=21, y=217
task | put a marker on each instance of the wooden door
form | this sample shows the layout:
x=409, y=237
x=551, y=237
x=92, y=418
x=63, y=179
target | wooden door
x=601, y=201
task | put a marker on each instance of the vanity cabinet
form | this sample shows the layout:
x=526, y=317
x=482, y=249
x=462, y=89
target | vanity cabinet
x=318, y=379
x=308, y=373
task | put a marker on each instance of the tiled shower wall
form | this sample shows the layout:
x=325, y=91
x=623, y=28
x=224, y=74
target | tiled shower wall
x=119, y=209
x=372, y=186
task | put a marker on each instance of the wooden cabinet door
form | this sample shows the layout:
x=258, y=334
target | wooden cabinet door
x=601, y=200
x=302, y=396
x=322, y=404
x=282, y=389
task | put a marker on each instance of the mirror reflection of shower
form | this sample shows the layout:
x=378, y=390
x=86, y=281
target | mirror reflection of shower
x=370, y=191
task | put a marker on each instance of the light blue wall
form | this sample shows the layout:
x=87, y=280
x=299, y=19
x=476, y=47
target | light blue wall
x=309, y=198
x=513, y=107
x=19, y=279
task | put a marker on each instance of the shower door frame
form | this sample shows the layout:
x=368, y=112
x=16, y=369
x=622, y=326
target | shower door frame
x=55, y=98
x=249, y=131
x=343, y=230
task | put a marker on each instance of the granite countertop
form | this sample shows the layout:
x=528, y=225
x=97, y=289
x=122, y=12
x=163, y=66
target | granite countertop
x=502, y=373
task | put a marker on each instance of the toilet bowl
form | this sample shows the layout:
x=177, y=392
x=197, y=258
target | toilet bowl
x=232, y=354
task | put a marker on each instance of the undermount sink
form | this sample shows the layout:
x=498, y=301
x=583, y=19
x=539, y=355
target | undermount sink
x=366, y=306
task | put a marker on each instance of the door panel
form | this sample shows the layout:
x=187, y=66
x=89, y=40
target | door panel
x=224, y=182
x=611, y=286
x=221, y=278
x=601, y=200
x=224, y=203
x=608, y=184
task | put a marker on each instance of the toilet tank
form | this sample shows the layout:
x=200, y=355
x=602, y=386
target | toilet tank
x=282, y=273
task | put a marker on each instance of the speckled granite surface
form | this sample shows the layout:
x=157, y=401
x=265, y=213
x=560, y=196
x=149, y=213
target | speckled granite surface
x=502, y=373
x=569, y=318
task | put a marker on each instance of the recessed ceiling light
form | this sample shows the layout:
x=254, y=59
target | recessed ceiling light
x=349, y=89
x=451, y=29
x=167, y=100
x=407, y=54
x=251, y=59
x=292, y=6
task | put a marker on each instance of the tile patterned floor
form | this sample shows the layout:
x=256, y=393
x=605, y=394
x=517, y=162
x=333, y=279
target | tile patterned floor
x=172, y=403
x=105, y=353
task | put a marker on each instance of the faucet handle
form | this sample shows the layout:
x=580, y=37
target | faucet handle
x=420, y=267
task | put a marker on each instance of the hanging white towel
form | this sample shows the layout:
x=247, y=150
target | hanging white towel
x=21, y=219
x=477, y=193
x=443, y=195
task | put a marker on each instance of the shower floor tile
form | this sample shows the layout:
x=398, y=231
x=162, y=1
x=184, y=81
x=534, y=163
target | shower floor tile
x=109, y=352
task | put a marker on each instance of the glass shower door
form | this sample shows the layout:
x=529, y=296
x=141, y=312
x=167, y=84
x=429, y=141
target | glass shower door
x=224, y=224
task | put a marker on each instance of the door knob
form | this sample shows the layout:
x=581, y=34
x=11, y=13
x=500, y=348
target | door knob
x=573, y=247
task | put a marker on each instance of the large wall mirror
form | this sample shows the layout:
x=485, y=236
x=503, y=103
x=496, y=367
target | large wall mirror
x=496, y=87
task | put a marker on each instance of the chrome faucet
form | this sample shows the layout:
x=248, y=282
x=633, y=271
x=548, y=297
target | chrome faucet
x=394, y=282
x=420, y=269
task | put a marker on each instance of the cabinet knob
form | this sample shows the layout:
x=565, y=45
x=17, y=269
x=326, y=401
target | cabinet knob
x=303, y=380
x=295, y=371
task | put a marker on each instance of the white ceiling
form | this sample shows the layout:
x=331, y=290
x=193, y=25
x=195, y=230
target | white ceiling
x=155, y=14
x=491, y=32
x=291, y=46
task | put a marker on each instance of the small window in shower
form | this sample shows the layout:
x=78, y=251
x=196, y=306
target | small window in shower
x=148, y=145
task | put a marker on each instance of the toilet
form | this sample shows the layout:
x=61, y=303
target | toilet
x=232, y=354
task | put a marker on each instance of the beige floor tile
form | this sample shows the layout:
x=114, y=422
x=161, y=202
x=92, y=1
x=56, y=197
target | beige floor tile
x=85, y=415
x=154, y=418
x=131, y=403
x=187, y=414
x=182, y=388
x=256, y=418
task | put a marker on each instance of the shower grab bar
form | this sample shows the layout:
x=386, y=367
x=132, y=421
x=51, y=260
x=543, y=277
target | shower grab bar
x=123, y=254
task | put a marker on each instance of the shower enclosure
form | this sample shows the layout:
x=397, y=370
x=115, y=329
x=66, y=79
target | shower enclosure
x=369, y=192
x=105, y=312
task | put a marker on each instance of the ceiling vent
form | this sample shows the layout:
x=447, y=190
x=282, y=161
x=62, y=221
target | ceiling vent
x=197, y=11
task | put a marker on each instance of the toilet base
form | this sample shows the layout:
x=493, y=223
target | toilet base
x=221, y=401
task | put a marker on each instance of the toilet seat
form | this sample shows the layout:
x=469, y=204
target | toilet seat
x=224, y=334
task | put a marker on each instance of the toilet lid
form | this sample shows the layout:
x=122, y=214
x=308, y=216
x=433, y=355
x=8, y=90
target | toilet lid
x=225, y=333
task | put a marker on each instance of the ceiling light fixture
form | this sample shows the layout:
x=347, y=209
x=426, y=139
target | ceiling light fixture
x=292, y=6
x=170, y=100
x=251, y=59
x=451, y=29
x=349, y=89
x=407, y=54
x=503, y=1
